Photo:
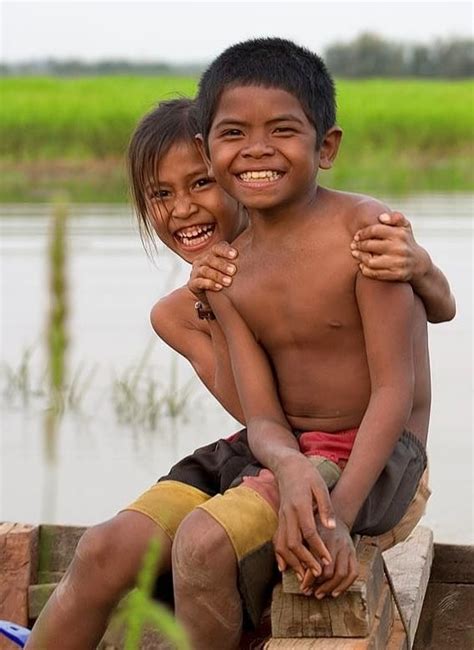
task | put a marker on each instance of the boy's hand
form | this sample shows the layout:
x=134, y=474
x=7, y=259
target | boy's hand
x=388, y=250
x=297, y=542
x=337, y=576
x=213, y=270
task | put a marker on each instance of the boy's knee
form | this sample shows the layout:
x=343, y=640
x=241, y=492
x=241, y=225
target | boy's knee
x=202, y=549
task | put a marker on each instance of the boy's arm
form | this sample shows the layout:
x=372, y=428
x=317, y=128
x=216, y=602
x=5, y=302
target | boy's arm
x=388, y=251
x=272, y=441
x=387, y=312
x=176, y=323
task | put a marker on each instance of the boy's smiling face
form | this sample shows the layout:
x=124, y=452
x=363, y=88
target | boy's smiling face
x=262, y=147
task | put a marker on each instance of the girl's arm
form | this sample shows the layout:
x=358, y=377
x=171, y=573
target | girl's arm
x=202, y=343
x=388, y=251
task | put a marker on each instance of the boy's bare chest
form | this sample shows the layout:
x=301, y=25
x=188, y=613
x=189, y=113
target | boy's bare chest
x=298, y=297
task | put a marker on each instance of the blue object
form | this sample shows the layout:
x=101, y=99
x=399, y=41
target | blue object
x=16, y=633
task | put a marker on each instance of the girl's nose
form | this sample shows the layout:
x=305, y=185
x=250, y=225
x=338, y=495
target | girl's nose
x=183, y=207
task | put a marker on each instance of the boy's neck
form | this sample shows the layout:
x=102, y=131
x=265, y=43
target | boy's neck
x=286, y=216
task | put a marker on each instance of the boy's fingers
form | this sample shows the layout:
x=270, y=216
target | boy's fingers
x=353, y=573
x=325, y=509
x=341, y=571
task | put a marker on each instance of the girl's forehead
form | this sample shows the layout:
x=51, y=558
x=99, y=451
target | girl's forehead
x=181, y=159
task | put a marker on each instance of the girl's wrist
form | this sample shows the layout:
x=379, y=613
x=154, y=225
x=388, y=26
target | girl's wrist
x=422, y=269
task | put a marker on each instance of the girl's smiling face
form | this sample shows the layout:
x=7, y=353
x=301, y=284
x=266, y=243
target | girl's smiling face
x=187, y=208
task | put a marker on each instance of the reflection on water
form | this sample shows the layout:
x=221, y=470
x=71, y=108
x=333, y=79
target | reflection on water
x=105, y=462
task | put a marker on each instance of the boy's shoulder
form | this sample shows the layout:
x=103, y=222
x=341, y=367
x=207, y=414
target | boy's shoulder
x=357, y=210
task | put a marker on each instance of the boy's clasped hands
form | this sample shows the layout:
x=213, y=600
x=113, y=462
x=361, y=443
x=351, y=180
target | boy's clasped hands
x=310, y=538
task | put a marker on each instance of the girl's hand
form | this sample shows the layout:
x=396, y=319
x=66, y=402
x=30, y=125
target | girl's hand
x=388, y=250
x=213, y=270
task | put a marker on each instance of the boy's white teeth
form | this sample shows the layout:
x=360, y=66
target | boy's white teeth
x=265, y=175
x=195, y=234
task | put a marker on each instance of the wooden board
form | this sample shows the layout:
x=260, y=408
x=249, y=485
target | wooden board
x=350, y=615
x=447, y=618
x=409, y=565
x=376, y=641
x=38, y=596
x=453, y=564
x=18, y=563
x=57, y=546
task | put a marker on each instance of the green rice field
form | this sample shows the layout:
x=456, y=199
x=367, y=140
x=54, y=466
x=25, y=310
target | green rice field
x=72, y=134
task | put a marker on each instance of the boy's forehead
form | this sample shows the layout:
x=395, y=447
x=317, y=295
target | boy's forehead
x=239, y=102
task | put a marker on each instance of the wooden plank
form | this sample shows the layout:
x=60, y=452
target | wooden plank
x=377, y=640
x=350, y=615
x=57, y=546
x=18, y=564
x=453, y=563
x=447, y=619
x=409, y=565
x=47, y=577
x=38, y=596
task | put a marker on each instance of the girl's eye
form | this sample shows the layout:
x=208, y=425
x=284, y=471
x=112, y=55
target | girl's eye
x=202, y=182
x=159, y=194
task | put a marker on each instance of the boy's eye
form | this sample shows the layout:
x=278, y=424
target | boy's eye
x=285, y=130
x=232, y=133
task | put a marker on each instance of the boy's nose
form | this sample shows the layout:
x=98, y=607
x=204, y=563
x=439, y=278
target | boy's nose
x=258, y=148
x=183, y=207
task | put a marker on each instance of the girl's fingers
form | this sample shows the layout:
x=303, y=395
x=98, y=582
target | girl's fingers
x=395, y=219
x=224, y=249
x=375, y=246
x=211, y=274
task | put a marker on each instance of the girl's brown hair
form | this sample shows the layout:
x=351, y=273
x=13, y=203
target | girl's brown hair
x=169, y=123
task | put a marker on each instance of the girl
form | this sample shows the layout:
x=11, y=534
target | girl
x=176, y=200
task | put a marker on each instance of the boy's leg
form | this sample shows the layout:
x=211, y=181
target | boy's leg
x=207, y=601
x=105, y=565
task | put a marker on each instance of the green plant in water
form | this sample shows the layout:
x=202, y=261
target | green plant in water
x=57, y=338
x=140, y=400
x=176, y=398
x=17, y=381
x=140, y=610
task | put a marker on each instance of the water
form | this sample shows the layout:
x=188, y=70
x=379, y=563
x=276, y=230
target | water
x=103, y=464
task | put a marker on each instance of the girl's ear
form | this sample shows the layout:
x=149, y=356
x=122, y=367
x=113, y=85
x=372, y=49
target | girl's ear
x=203, y=151
x=330, y=147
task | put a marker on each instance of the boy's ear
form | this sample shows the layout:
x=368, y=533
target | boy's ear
x=330, y=147
x=203, y=151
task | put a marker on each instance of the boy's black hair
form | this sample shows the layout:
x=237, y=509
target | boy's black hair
x=169, y=123
x=271, y=63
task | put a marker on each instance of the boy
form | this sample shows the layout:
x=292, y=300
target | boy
x=352, y=392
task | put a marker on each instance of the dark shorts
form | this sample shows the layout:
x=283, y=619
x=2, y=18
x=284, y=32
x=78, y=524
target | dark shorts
x=225, y=480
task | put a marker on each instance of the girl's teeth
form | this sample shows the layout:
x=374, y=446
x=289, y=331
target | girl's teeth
x=206, y=234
